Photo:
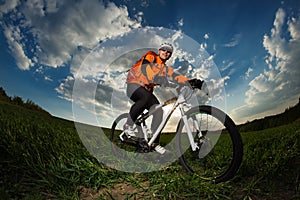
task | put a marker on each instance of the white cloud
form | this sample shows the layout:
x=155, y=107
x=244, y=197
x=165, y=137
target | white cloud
x=203, y=45
x=8, y=6
x=206, y=36
x=279, y=84
x=294, y=28
x=248, y=72
x=180, y=22
x=58, y=28
x=47, y=78
x=16, y=47
x=65, y=88
x=227, y=64
x=234, y=41
x=275, y=44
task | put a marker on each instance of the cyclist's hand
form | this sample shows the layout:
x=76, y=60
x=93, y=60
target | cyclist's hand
x=150, y=87
x=196, y=83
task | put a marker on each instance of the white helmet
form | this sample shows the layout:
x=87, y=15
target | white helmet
x=166, y=46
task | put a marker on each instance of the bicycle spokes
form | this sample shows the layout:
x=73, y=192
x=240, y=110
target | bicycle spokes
x=220, y=148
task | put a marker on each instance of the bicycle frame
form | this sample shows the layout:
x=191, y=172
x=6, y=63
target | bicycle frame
x=179, y=102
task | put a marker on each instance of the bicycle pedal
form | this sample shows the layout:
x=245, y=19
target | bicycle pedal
x=130, y=141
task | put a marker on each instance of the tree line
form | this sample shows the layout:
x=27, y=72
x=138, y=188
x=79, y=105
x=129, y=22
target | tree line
x=16, y=100
x=290, y=115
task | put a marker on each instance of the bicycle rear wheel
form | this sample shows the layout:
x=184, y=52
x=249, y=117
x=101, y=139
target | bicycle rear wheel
x=221, y=149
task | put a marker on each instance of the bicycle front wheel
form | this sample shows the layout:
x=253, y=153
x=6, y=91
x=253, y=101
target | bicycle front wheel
x=220, y=151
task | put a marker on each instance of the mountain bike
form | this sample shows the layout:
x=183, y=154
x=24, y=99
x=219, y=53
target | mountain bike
x=207, y=141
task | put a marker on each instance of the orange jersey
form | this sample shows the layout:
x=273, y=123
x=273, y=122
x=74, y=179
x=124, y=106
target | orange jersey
x=148, y=67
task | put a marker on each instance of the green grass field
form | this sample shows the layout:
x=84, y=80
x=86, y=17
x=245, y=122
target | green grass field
x=42, y=157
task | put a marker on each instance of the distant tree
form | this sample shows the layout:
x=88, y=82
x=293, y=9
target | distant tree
x=3, y=95
x=32, y=106
x=290, y=115
x=17, y=101
x=2, y=92
x=29, y=104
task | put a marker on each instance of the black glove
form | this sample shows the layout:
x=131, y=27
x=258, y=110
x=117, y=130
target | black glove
x=162, y=80
x=196, y=83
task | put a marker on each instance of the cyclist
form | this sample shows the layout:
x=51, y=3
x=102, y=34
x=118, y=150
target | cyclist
x=150, y=70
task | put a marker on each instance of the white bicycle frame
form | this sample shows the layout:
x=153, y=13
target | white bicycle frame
x=180, y=102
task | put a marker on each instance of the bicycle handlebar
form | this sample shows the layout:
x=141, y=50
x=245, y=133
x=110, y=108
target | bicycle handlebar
x=173, y=85
x=192, y=84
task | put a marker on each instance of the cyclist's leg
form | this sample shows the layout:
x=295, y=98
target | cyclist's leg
x=142, y=98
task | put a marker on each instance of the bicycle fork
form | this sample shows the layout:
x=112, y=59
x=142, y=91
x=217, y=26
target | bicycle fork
x=194, y=145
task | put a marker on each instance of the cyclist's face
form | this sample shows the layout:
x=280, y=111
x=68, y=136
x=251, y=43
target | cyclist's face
x=164, y=54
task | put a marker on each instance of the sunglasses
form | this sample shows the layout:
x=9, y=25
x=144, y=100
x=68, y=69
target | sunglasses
x=165, y=49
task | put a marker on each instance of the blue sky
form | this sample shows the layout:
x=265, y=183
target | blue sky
x=255, y=45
